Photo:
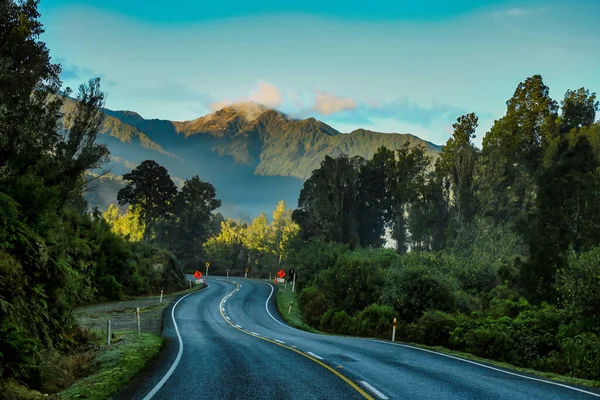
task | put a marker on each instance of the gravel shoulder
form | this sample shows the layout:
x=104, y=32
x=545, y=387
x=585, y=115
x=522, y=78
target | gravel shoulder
x=123, y=313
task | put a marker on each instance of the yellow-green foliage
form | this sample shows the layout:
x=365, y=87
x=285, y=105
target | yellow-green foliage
x=264, y=244
x=127, y=225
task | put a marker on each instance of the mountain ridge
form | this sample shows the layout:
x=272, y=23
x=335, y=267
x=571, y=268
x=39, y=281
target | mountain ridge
x=253, y=155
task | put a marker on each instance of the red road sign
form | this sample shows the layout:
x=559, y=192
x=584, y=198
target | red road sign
x=198, y=274
x=281, y=273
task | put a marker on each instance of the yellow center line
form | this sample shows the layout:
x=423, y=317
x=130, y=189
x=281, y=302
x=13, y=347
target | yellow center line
x=337, y=373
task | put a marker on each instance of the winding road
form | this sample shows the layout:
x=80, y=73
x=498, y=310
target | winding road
x=229, y=342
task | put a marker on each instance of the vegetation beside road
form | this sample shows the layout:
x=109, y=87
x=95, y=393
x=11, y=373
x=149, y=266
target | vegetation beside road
x=495, y=249
x=127, y=355
x=56, y=254
x=295, y=319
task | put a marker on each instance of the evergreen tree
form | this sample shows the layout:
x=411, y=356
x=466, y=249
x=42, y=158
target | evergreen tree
x=151, y=189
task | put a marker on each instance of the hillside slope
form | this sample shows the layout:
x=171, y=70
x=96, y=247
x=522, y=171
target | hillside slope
x=253, y=155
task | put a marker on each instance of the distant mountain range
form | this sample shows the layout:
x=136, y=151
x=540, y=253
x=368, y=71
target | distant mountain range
x=255, y=156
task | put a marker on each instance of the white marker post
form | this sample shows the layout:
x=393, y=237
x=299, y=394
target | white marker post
x=138, y=319
x=108, y=332
x=294, y=283
x=161, y=292
x=394, y=331
x=228, y=273
x=190, y=284
x=291, y=304
x=246, y=273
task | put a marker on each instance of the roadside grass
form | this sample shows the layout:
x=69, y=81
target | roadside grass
x=116, y=365
x=284, y=297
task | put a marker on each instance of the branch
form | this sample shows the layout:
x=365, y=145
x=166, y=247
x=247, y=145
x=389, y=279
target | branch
x=104, y=173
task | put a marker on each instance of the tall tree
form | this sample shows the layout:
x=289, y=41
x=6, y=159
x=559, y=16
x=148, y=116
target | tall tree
x=567, y=216
x=29, y=107
x=328, y=206
x=257, y=239
x=374, y=198
x=513, y=150
x=578, y=109
x=408, y=175
x=283, y=231
x=151, y=189
x=193, y=212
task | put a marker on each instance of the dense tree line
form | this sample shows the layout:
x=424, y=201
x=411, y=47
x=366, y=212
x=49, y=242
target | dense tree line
x=54, y=253
x=158, y=212
x=260, y=246
x=496, y=249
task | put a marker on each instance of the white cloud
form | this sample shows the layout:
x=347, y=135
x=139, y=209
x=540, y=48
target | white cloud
x=265, y=93
x=519, y=12
x=328, y=103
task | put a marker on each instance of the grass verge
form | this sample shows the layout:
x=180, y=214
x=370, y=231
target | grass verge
x=284, y=297
x=117, y=364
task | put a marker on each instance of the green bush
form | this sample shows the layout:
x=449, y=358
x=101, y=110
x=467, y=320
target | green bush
x=582, y=355
x=325, y=323
x=534, y=334
x=19, y=354
x=490, y=342
x=375, y=321
x=414, y=289
x=336, y=321
x=579, y=284
x=313, y=305
x=110, y=288
x=435, y=328
x=353, y=283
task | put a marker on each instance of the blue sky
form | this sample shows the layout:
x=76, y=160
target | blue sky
x=406, y=67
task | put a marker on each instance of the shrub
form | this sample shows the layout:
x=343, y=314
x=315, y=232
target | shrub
x=353, y=283
x=490, y=342
x=414, y=289
x=340, y=322
x=435, y=328
x=110, y=288
x=582, y=355
x=579, y=283
x=325, y=323
x=313, y=305
x=375, y=321
x=19, y=354
x=534, y=333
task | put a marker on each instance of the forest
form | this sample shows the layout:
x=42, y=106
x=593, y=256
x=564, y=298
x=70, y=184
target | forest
x=56, y=254
x=496, y=249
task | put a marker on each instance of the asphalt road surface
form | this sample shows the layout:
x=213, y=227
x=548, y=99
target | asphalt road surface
x=229, y=342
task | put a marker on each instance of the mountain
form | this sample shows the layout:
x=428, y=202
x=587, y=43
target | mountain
x=253, y=155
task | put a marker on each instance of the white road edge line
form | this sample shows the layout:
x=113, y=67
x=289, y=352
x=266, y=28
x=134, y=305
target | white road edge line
x=227, y=317
x=254, y=333
x=489, y=367
x=373, y=390
x=430, y=351
x=238, y=326
x=179, y=353
x=279, y=341
x=314, y=355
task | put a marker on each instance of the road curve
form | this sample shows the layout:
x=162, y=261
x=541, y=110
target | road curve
x=236, y=346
